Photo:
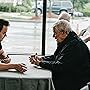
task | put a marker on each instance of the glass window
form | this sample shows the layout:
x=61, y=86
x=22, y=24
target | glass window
x=66, y=4
x=26, y=23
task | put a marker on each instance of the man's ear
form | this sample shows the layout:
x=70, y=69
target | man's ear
x=64, y=34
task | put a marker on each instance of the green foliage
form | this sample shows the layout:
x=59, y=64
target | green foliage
x=6, y=7
x=86, y=10
x=79, y=4
x=21, y=9
x=27, y=4
x=82, y=6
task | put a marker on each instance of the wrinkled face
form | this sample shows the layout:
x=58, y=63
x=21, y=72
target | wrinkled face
x=3, y=33
x=59, y=35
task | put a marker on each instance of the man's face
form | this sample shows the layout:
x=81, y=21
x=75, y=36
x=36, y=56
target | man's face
x=3, y=33
x=59, y=35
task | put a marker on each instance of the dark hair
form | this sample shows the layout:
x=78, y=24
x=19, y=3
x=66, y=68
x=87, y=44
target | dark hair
x=2, y=23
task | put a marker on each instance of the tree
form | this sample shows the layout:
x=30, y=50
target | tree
x=79, y=4
x=27, y=4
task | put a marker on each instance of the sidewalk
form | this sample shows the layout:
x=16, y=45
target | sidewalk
x=17, y=17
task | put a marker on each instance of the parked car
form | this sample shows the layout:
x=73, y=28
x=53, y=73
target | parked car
x=77, y=14
x=59, y=6
x=56, y=7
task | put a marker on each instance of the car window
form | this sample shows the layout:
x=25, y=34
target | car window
x=56, y=3
x=66, y=4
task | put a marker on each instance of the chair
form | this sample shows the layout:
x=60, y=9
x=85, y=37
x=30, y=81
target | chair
x=86, y=87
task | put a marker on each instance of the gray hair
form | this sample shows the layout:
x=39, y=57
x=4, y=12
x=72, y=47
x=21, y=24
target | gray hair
x=65, y=16
x=62, y=25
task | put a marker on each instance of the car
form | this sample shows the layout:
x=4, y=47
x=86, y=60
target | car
x=77, y=14
x=56, y=7
x=59, y=6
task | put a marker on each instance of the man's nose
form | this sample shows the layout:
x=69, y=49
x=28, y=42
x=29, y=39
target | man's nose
x=53, y=35
x=5, y=35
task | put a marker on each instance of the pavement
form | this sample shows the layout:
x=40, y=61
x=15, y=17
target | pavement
x=20, y=18
x=77, y=24
x=17, y=17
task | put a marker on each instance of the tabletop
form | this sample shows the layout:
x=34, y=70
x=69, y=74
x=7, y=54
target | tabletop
x=35, y=78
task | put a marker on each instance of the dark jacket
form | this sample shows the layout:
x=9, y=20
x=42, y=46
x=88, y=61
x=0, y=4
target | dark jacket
x=69, y=64
x=0, y=46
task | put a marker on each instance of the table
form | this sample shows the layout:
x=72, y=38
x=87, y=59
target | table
x=32, y=79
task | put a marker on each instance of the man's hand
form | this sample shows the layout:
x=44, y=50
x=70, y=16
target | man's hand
x=35, y=60
x=20, y=67
x=6, y=60
x=87, y=39
x=1, y=54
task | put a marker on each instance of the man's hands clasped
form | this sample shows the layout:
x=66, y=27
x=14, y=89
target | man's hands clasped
x=35, y=59
x=6, y=60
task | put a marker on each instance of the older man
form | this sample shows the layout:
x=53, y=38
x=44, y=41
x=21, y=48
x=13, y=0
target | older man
x=66, y=16
x=70, y=62
x=3, y=56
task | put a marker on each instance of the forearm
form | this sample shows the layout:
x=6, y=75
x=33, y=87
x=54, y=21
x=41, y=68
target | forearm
x=7, y=66
x=51, y=65
x=19, y=67
x=48, y=58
